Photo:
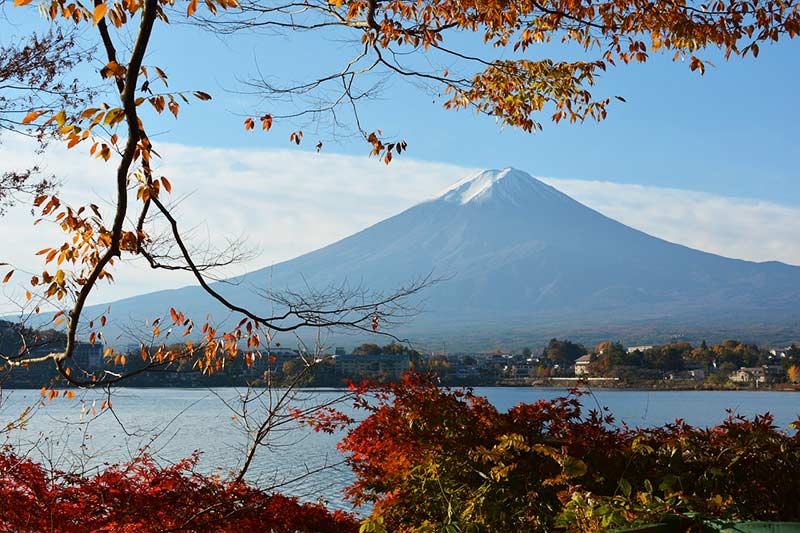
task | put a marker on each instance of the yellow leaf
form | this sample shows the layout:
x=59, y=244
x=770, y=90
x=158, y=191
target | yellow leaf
x=99, y=12
x=60, y=118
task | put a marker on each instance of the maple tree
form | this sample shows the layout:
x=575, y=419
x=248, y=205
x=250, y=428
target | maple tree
x=433, y=459
x=142, y=496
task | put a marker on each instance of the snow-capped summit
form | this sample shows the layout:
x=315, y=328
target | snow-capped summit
x=507, y=185
x=513, y=252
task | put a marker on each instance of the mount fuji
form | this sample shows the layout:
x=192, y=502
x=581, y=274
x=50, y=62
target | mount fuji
x=515, y=254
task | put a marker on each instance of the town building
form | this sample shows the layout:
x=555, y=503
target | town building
x=758, y=375
x=85, y=355
x=389, y=366
x=642, y=348
x=582, y=365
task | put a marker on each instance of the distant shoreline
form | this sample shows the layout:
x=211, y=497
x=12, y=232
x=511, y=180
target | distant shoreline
x=639, y=387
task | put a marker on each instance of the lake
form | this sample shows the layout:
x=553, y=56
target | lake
x=176, y=422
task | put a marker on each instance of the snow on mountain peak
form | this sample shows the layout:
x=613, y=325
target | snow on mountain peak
x=506, y=184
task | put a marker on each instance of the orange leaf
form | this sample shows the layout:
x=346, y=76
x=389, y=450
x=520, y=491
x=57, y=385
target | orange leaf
x=8, y=276
x=30, y=117
x=99, y=12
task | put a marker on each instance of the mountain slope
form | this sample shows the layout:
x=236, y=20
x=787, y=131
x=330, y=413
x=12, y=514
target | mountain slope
x=512, y=249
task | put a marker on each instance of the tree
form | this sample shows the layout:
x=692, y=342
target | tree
x=737, y=354
x=794, y=374
x=368, y=348
x=563, y=352
x=291, y=367
x=142, y=496
x=436, y=459
x=667, y=357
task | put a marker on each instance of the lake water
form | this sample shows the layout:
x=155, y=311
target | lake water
x=188, y=420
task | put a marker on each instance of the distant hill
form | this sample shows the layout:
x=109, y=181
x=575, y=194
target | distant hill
x=518, y=258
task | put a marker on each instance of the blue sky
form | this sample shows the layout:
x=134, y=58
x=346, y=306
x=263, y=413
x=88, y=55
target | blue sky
x=732, y=131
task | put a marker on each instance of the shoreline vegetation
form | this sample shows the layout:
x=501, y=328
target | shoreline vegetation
x=730, y=365
x=566, y=385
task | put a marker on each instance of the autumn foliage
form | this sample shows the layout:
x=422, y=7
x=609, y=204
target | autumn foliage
x=141, y=496
x=433, y=459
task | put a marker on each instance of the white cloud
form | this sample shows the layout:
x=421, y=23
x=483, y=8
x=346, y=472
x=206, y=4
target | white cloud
x=734, y=227
x=283, y=203
x=286, y=203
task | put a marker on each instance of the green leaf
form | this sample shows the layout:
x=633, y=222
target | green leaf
x=573, y=467
x=625, y=487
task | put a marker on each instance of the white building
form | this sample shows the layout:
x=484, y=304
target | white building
x=582, y=365
x=643, y=348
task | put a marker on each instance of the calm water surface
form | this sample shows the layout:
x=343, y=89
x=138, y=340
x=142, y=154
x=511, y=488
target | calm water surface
x=174, y=423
